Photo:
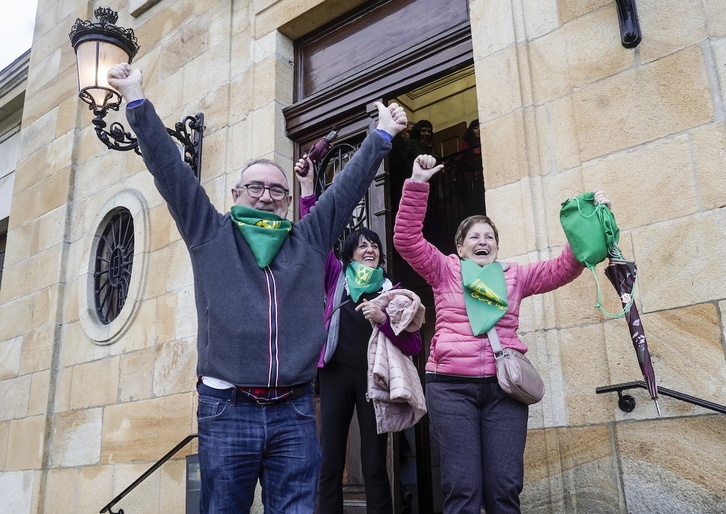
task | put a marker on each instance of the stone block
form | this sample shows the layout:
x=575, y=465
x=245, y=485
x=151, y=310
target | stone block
x=540, y=17
x=16, y=491
x=687, y=353
x=62, y=393
x=137, y=431
x=583, y=356
x=172, y=484
x=49, y=194
x=186, y=315
x=709, y=154
x=564, y=134
x=166, y=316
x=670, y=26
x=509, y=207
x=26, y=438
x=77, y=438
x=653, y=101
x=673, y=275
x=37, y=134
x=141, y=333
x=215, y=106
x=164, y=23
x=63, y=87
x=549, y=67
x=504, y=150
x=673, y=465
x=4, y=430
x=50, y=264
x=594, y=49
x=163, y=229
x=498, y=36
x=570, y=469
x=273, y=81
x=213, y=65
x=267, y=121
x=218, y=193
x=498, y=84
x=39, y=393
x=136, y=375
x=16, y=394
x=19, y=242
x=43, y=73
x=60, y=491
x=175, y=367
x=715, y=22
x=94, y=488
x=169, y=269
x=241, y=100
x=10, y=352
x=571, y=9
x=299, y=17
x=168, y=98
x=664, y=170
x=189, y=43
x=95, y=384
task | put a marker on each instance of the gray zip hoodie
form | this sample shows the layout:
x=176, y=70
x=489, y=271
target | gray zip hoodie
x=256, y=327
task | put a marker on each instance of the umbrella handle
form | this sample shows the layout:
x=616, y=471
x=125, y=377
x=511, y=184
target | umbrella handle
x=598, y=305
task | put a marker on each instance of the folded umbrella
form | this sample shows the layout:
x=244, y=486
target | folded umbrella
x=621, y=274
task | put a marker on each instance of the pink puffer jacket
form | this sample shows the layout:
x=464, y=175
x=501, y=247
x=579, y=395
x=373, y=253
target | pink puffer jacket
x=455, y=349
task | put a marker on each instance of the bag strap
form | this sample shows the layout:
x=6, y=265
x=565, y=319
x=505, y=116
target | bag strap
x=494, y=342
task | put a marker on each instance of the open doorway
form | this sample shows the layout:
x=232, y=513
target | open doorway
x=341, y=69
x=449, y=106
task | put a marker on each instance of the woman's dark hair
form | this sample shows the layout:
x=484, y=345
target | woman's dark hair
x=469, y=222
x=416, y=130
x=350, y=243
x=469, y=135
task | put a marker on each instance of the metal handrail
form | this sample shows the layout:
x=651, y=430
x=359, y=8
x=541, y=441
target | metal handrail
x=627, y=402
x=148, y=472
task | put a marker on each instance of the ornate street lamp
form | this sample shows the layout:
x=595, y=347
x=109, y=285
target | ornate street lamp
x=98, y=47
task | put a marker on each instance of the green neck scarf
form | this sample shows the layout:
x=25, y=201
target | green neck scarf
x=264, y=232
x=362, y=279
x=485, y=294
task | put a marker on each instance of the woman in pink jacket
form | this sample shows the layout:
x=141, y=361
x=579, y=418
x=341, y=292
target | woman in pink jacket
x=480, y=431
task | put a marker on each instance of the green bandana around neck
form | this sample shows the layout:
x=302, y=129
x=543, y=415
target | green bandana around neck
x=485, y=294
x=264, y=232
x=362, y=279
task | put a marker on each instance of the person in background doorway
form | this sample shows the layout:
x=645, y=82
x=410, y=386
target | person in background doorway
x=470, y=173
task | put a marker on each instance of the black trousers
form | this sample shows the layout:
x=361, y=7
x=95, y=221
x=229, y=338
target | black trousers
x=341, y=389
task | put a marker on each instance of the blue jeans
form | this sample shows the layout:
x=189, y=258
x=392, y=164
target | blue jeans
x=241, y=441
x=481, y=433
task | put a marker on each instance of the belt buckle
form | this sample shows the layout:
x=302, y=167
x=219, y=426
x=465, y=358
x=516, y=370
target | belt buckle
x=261, y=401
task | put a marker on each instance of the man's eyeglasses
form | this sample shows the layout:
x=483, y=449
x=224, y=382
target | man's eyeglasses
x=257, y=190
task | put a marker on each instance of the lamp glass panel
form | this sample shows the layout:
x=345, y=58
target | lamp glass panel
x=95, y=58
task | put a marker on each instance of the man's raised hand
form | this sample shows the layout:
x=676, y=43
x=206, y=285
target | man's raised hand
x=391, y=119
x=127, y=81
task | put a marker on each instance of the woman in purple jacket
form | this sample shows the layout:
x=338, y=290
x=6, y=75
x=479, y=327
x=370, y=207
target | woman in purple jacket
x=349, y=283
x=480, y=431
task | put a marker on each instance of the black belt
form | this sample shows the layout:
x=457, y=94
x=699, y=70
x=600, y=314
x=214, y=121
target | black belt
x=236, y=395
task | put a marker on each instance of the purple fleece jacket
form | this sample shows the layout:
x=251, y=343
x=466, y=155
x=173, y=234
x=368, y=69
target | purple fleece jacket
x=408, y=342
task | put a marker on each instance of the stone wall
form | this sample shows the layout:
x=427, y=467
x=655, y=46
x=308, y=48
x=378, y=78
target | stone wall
x=564, y=109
